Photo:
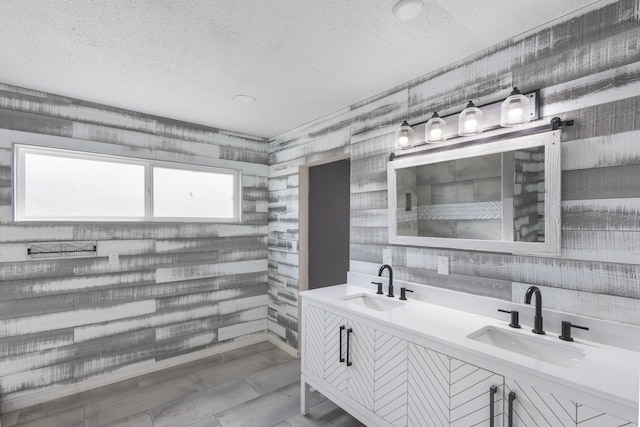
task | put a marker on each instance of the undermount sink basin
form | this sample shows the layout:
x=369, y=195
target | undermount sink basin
x=371, y=302
x=560, y=353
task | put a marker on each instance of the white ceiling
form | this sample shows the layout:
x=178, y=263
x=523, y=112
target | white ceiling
x=301, y=59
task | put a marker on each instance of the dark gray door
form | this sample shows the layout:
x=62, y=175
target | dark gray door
x=329, y=188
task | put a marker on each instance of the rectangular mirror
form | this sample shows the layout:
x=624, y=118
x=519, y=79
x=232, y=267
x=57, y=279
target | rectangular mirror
x=501, y=196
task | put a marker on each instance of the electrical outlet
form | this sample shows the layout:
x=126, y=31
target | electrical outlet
x=387, y=256
x=113, y=258
x=443, y=265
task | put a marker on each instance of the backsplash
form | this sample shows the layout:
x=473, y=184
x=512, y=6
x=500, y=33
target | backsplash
x=587, y=69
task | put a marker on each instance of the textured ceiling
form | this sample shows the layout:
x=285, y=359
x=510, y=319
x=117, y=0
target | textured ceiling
x=301, y=59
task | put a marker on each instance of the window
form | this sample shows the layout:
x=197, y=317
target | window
x=64, y=185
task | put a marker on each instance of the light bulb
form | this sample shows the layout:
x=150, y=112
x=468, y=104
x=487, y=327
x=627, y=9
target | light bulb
x=515, y=114
x=515, y=109
x=470, y=121
x=404, y=136
x=435, y=129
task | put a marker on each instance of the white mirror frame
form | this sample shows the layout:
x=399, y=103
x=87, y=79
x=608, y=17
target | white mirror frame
x=551, y=245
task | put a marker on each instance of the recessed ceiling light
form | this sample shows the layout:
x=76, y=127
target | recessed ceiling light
x=245, y=99
x=408, y=9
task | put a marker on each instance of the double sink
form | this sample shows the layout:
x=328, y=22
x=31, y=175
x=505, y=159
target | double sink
x=535, y=347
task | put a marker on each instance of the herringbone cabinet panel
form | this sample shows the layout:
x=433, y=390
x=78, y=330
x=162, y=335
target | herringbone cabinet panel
x=589, y=417
x=314, y=340
x=360, y=373
x=444, y=391
x=335, y=372
x=536, y=407
x=390, y=378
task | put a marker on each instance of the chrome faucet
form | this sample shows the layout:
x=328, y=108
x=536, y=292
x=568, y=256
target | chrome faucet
x=537, y=320
x=388, y=267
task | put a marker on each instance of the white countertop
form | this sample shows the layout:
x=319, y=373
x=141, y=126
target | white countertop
x=605, y=373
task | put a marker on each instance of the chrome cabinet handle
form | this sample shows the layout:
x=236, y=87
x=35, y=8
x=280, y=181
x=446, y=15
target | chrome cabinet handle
x=348, y=358
x=340, y=345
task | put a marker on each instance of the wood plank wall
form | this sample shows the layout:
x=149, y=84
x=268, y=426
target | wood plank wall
x=587, y=68
x=177, y=287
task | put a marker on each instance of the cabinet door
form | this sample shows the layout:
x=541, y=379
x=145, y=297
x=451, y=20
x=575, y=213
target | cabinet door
x=360, y=348
x=444, y=391
x=313, y=339
x=589, y=417
x=536, y=407
x=470, y=397
x=390, y=378
x=428, y=380
x=334, y=350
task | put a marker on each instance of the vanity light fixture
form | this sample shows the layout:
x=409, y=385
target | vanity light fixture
x=404, y=136
x=470, y=120
x=435, y=129
x=514, y=110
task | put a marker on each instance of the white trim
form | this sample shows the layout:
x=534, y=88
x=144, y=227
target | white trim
x=20, y=149
x=551, y=245
x=37, y=397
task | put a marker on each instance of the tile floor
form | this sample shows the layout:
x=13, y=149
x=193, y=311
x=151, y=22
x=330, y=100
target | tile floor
x=258, y=385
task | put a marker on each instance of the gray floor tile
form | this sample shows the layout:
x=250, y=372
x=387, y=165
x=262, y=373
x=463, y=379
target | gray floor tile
x=268, y=409
x=228, y=394
x=277, y=355
x=275, y=377
x=142, y=419
x=205, y=404
x=209, y=422
x=178, y=371
x=324, y=414
x=10, y=418
x=220, y=374
x=248, y=350
x=55, y=406
x=134, y=401
x=70, y=418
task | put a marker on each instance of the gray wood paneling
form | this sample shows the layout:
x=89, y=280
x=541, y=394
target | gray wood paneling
x=175, y=285
x=587, y=70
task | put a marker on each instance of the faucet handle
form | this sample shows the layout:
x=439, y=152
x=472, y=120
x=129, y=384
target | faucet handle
x=566, y=330
x=379, y=287
x=403, y=295
x=515, y=317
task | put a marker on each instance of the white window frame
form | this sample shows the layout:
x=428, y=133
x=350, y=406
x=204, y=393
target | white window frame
x=20, y=150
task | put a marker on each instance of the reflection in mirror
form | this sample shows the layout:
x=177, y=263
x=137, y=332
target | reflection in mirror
x=469, y=199
x=496, y=192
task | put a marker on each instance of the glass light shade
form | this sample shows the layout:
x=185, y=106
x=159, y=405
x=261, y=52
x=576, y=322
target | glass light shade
x=470, y=121
x=435, y=129
x=515, y=109
x=404, y=136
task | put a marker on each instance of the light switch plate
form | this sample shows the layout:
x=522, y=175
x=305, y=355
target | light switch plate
x=113, y=258
x=443, y=265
